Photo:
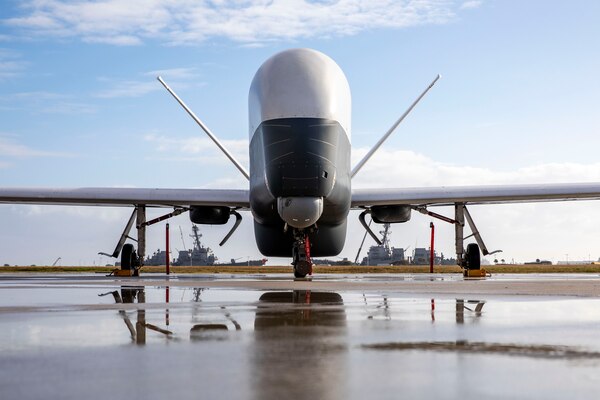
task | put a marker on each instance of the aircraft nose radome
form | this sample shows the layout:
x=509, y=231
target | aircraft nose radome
x=299, y=83
x=300, y=212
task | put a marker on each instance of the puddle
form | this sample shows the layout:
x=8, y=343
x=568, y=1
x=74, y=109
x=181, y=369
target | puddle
x=294, y=343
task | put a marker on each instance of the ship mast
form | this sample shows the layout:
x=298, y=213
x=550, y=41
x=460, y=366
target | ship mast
x=385, y=241
x=196, y=236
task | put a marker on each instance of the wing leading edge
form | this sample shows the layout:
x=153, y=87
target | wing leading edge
x=485, y=194
x=126, y=197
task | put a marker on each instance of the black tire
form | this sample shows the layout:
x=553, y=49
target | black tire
x=299, y=275
x=301, y=269
x=128, y=257
x=473, y=256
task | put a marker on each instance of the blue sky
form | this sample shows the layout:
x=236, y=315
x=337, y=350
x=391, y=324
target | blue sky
x=80, y=106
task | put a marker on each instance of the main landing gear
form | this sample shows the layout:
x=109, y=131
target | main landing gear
x=472, y=257
x=130, y=259
x=301, y=255
x=468, y=259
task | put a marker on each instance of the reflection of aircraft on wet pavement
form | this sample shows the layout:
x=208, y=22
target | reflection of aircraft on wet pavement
x=380, y=307
x=211, y=328
x=462, y=306
x=299, y=308
x=300, y=348
x=275, y=309
x=199, y=331
x=129, y=295
x=300, y=178
x=280, y=312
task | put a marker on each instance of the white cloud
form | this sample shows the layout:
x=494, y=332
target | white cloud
x=9, y=69
x=46, y=102
x=75, y=245
x=249, y=21
x=524, y=231
x=10, y=64
x=118, y=40
x=470, y=4
x=103, y=214
x=401, y=168
x=67, y=107
x=174, y=73
x=129, y=89
x=238, y=181
x=34, y=96
x=199, y=149
x=177, y=77
x=10, y=148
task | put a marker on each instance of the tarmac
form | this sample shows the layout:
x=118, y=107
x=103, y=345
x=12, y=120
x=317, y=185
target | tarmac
x=224, y=336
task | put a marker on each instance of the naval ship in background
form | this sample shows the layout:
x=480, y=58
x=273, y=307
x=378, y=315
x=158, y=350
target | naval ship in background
x=199, y=255
x=384, y=254
x=378, y=255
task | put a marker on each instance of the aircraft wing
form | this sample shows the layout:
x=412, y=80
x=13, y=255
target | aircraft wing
x=126, y=197
x=489, y=194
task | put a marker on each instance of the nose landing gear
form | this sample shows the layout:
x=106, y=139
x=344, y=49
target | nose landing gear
x=301, y=256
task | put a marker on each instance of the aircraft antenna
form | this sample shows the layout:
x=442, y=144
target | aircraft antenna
x=206, y=130
x=392, y=129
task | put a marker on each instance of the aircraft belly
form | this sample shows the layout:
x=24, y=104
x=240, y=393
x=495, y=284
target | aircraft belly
x=272, y=241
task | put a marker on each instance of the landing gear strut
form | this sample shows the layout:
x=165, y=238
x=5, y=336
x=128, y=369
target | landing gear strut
x=470, y=259
x=301, y=256
x=132, y=260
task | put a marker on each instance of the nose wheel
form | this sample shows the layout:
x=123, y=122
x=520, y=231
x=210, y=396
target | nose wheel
x=301, y=257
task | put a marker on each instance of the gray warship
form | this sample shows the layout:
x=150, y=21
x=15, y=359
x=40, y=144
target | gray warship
x=384, y=254
x=199, y=255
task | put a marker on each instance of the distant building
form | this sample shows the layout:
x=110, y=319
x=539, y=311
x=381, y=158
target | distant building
x=574, y=262
x=420, y=256
x=325, y=261
x=539, y=262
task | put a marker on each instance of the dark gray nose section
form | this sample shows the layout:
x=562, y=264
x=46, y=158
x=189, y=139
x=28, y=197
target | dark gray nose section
x=301, y=156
